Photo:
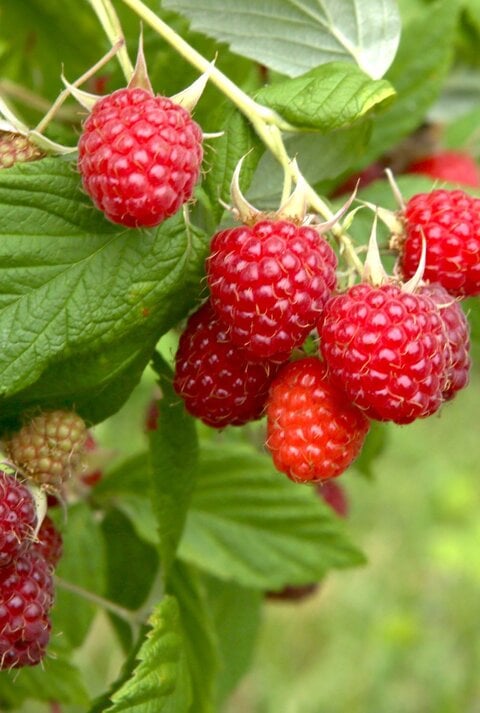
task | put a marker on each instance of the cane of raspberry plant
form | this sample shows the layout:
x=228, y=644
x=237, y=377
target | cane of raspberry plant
x=450, y=223
x=458, y=338
x=314, y=432
x=387, y=349
x=49, y=448
x=218, y=382
x=26, y=597
x=18, y=518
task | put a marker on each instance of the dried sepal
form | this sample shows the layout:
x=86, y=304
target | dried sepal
x=189, y=97
x=373, y=271
x=295, y=207
x=413, y=283
x=140, y=78
x=242, y=209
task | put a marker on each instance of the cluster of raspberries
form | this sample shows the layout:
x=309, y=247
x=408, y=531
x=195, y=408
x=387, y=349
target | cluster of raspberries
x=385, y=352
x=43, y=455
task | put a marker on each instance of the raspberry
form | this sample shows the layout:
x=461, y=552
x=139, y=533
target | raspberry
x=363, y=178
x=18, y=518
x=26, y=596
x=450, y=222
x=16, y=148
x=457, y=333
x=49, y=542
x=269, y=283
x=387, y=349
x=314, y=432
x=334, y=495
x=452, y=166
x=218, y=381
x=50, y=447
x=139, y=157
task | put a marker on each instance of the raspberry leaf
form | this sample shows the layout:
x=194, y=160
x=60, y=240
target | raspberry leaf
x=84, y=566
x=136, y=284
x=158, y=678
x=198, y=635
x=236, y=614
x=248, y=525
x=238, y=140
x=172, y=478
x=292, y=36
x=312, y=100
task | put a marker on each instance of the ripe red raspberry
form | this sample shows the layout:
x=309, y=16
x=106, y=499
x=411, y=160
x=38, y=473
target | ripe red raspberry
x=457, y=333
x=26, y=596
x=16, y=148
x=314, y=432
x=139, y=157
x=218, y=381
x=49, y=542
x=452, y=166
x=269, y=283
x=334, y=495
x=450, y=222
x=49, y=448
x=18, y=518
x=387, y=349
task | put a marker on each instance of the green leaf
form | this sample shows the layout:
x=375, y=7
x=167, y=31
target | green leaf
x=57, y=679
x=158, y=682
x=320, y=157
x=472, y=310
x=328, y=97
x=199, y=636
x=236, y=613
x=462, y=133
x=83, y=300
x=126, y=552
x=83, y=564
x=174, y=457
x=417, y=74
x=293, y=36
x=238, y=140
x=253, y=526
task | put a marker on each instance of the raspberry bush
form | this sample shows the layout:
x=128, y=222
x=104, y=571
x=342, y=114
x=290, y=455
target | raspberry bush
x=205, y=329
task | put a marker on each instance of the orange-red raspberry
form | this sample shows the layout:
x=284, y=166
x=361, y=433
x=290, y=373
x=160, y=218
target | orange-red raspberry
x=139, y=157
x=219, y=382
x=387, y=350
x=450, y=223
x=269, y=283
x=314, y=431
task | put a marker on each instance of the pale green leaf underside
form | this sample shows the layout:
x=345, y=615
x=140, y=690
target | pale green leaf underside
x=293, y=36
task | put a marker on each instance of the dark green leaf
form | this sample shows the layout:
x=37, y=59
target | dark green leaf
x=236, y=613
x=158, y=682
x=174, y=456
x=328, y=97
x=83, y=300
x=238, y=140
x=253, y=526
x=198, y=633
x=83, y=564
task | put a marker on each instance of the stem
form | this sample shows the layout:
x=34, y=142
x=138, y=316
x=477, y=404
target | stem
x=113, y=29
x=267, y=123
x=32, y=100
x=66, y=92
x=126, y=614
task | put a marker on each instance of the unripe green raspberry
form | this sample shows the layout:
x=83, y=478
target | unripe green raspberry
x=49, y=448
x=16, y=148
